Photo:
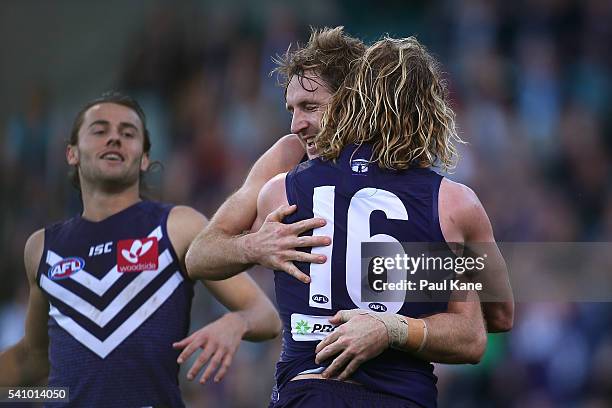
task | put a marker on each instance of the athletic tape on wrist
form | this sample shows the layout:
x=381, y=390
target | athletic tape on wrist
x=398, y=328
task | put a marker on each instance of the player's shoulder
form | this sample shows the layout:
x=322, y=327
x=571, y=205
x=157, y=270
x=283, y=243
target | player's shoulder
x=185, y=216
x=36, y=240
x=183, y=225
x=461, y=204
x=458, y=193
x=33, y=251
x=272, y=194
x=274, y=187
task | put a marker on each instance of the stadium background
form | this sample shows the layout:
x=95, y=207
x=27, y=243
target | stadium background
x=530, y=82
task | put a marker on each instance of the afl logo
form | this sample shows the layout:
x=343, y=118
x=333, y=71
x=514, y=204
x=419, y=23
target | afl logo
x=377, y=307
x=359, y=166
x=66, y=268
x=320, y=299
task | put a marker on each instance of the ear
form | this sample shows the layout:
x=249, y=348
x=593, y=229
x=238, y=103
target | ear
x=72, y=155
x=144, y=162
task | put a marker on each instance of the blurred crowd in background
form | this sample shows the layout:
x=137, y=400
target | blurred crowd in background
x=530, y=82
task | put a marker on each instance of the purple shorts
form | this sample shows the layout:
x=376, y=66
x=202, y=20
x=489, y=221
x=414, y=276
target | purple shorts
x=314, y=393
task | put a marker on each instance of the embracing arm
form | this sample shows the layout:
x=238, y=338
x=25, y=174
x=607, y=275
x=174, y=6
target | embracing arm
x=466, y=221
x=27, y=362
x=223, y=249
x=456, y=336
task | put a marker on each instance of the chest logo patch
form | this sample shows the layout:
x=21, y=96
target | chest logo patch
x=137, y=255
x=359, y=166
x=66, y=268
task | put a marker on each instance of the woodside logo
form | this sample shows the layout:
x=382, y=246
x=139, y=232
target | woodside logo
x=137, y=255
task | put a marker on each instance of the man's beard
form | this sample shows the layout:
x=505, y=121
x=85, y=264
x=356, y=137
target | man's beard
x=112, y=183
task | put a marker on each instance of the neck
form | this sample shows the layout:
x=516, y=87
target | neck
x=99, y=204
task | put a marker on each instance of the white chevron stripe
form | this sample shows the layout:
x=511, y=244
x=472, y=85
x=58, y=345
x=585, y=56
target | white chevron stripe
x=102, y=317
x=98, y=286
x=103, y=348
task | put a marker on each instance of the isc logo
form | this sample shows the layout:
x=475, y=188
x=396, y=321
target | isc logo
x=66, y=268
x=100, y=249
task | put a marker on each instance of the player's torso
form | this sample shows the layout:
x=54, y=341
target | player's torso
x=118, y=300
x=361, y=204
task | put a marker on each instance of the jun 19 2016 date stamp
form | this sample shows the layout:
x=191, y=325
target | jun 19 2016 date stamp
x=34, y=394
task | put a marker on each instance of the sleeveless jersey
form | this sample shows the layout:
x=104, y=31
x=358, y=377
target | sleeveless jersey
x=118, y=300
x=361, y=203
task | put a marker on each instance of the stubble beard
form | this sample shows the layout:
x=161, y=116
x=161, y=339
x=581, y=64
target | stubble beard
x=96, y=178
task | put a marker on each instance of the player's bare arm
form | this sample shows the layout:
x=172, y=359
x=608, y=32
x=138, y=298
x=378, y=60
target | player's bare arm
x=457, y=336
x=464, y=220
x=223, y=249
x=252, y=316
x=27, y=363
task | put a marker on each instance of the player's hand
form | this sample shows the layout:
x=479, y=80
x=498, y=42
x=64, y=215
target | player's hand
x=274, y=245
x=219, y=341
x=359, y=338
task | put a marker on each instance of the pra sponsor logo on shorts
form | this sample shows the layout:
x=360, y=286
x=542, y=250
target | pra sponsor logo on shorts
x=310, y=328
x=66, y=268
x=137, y=255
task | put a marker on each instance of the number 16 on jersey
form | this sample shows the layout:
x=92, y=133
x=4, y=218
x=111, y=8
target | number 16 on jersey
x=362, y=204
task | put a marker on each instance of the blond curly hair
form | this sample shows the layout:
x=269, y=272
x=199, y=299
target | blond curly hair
x=395, y=99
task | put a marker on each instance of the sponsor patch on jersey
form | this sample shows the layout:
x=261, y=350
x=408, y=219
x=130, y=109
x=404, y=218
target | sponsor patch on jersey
x=310, y=328
x=359, y=166
x=66, y=268
x=137, y=255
